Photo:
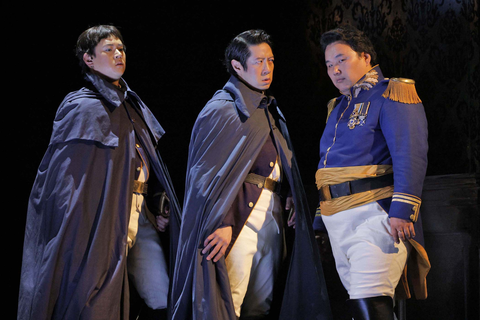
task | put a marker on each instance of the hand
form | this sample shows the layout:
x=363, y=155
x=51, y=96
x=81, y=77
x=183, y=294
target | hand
x=218, y=242
x=401, y=229
x=161, y=223
x=323, y=242
x=166, y=209
x=289, y=205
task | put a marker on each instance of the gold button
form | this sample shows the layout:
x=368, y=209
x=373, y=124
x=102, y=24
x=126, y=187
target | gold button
x=137, y=145
x=272, y=164
x=414, y=208
x=250, y=204
x=412, y=217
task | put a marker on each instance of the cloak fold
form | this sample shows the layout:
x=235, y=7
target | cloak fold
x=225, y=142
x=74, y=258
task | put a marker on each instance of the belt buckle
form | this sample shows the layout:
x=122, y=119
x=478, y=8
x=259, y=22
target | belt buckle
x=269, y=184
x=140, y=187
x=340, y=190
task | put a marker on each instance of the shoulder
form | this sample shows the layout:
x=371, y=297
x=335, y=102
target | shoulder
x=83, y=115
x=331, y=105
x=78, y=101
x=217, y=119
x=220, y=105
x=400, y=90
x=402, y=104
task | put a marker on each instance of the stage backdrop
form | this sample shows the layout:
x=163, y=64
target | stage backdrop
x=434, y=42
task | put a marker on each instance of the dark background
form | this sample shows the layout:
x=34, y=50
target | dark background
x=174, y=53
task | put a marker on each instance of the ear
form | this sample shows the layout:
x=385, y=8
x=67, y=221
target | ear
x=88, y=59
x=237, y=66
x=368, y=58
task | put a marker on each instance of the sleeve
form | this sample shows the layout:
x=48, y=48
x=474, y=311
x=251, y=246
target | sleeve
x=404, y=126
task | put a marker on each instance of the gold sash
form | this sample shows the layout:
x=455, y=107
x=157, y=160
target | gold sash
x=330, y=176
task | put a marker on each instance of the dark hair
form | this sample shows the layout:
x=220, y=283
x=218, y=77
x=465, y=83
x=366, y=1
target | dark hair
x=350, y=35
x=89, y=39
x=238, y=48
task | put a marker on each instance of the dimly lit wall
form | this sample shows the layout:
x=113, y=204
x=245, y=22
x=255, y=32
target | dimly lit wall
x=434, y=42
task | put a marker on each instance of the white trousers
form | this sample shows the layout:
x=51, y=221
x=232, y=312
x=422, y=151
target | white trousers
x=135, y=211
x=255, y=258
x=146, y=264
x=368, y=260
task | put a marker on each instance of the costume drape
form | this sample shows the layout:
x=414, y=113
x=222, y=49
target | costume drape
x=74, y=258
x=225, y=141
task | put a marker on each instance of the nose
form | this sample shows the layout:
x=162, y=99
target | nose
x=267, y=67
x=336, y=70
x=118, y=54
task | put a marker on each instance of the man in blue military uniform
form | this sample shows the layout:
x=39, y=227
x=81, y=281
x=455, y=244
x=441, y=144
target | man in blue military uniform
x=373, y=159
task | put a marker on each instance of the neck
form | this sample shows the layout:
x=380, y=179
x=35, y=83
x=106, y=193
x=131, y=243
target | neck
x=349, y=90
x=249, y=86
x=115, y=82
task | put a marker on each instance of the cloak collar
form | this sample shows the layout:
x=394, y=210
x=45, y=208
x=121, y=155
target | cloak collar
x=246, y=99
x=112, y=94
x=116, y=96
x=368, y=81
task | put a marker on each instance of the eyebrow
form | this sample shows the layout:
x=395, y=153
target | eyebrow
x=263, y=58
x=114, y=44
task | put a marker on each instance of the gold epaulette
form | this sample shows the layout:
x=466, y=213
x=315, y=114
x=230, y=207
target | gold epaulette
x=330, y=106
x=402, y=90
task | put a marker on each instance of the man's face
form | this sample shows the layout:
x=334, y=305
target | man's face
x=259, y=71
x=344, y=66
x=109, y=59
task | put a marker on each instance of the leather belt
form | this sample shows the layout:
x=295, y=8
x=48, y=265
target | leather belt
x=351, y=187
x=263, y=182
x=140, y=187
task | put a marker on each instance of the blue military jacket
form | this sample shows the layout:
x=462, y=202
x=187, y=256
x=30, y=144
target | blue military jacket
x=367, y=128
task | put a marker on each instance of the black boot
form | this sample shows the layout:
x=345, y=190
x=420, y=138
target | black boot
x=264, y=317
x=149, y=314
x=375, y=308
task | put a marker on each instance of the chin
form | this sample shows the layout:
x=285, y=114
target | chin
x=264, y=86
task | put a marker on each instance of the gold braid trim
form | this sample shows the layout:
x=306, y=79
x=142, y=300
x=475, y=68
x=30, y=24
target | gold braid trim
x=330, y=106
x=402, y=90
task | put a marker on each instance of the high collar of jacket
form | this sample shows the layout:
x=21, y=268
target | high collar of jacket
x=110, y=92
x=247, y=99
x=368, y=81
